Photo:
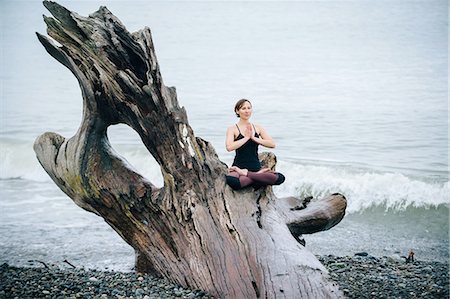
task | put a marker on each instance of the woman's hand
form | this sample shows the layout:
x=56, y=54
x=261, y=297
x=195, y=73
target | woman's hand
x=231, y=144
x=264, y=138
x=249, y=132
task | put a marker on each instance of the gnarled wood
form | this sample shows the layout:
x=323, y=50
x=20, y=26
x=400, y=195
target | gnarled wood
x=195, y=231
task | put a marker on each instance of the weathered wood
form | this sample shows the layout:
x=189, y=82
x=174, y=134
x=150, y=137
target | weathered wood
x=318, y=216
x=195, y=230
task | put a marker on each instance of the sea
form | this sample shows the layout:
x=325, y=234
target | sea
x=354, y=93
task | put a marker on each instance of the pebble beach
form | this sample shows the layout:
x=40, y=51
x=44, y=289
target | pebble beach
x=386, y=277
x=357, y=277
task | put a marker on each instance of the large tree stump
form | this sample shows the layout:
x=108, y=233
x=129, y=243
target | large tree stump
x=195, y=231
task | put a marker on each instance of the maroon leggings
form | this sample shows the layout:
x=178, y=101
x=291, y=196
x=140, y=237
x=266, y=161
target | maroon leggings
x=254, y=178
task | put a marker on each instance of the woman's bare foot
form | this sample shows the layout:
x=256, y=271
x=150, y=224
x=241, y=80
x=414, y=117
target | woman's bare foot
x=242, y=172
x=231, y=171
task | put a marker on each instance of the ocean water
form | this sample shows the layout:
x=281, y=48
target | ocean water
x=355, y=94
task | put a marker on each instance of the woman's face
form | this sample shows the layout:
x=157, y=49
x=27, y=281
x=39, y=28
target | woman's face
x=245, y=111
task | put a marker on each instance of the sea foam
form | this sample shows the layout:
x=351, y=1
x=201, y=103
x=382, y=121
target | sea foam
x=363, y=187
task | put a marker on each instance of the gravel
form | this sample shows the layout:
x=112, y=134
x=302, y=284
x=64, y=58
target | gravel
x=361, y=276
x=81, y=283
x=365, y=276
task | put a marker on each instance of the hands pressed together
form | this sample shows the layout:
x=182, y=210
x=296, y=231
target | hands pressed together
x=250, y=132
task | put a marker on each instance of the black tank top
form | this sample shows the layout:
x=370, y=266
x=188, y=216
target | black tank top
x=247, y=154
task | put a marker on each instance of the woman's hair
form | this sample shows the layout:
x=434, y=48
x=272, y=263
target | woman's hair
x=239, y=104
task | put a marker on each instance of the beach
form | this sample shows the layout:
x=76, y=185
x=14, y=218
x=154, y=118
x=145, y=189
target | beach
x=357, y=277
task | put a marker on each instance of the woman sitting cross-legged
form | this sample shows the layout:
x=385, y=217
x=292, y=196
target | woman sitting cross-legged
x=245, y=138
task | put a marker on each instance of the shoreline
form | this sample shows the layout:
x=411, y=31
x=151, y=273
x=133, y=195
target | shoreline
x=357, y=277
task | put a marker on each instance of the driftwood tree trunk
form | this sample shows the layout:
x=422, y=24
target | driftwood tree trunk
x=195, y=231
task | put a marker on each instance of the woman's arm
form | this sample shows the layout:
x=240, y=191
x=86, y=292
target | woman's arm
x=230, y=144
x=264, y=138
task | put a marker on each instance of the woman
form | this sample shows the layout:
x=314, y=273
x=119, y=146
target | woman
x=245, y=138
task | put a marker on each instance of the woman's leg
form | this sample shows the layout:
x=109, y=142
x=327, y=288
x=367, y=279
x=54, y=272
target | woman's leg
x=237, y=181
x=266, y=178
x=240, y=178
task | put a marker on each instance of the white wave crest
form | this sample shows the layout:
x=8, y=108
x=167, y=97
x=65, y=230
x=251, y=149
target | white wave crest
x=18, y=160
x=362, y=188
